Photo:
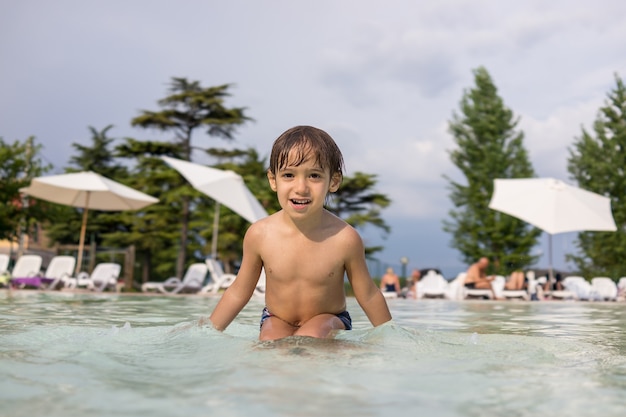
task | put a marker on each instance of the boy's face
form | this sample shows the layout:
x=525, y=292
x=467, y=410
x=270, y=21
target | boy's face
x=302, y=189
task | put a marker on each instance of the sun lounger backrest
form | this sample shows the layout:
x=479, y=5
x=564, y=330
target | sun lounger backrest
x=106, y=272
x=27, y=266
x=578, y=285
x=196, y=273
x=604, y=287
x=60, y=266
x=4, y=263
x=215, y=269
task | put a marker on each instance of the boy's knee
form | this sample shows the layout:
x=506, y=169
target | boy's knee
x=321, y=326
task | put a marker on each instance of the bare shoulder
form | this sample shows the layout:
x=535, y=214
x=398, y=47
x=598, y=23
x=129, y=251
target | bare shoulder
x=261, y=228
x=345, y=233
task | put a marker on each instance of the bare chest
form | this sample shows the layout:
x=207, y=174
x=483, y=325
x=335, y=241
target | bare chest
x=304, y=261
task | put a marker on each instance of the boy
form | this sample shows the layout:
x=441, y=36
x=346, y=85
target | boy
x=304, y=249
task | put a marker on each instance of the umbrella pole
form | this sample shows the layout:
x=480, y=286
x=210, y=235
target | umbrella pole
x=83, y=229
x=551, y=277
x=216, y=222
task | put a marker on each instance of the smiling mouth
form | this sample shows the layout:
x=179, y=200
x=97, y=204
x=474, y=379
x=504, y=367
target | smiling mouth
x=299, y=202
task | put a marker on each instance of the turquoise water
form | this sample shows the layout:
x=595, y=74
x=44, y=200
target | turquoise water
x=67, y=354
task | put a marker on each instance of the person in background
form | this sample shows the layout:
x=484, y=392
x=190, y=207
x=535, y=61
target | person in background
x=390, y=282
x=477, y=276
x=555, y=285
x=516, y=281
x=410, y=290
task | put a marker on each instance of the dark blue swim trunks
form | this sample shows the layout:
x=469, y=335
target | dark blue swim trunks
x=343, y=316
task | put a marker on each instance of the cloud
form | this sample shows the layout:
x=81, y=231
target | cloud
x=549, y=139
x=383, y=63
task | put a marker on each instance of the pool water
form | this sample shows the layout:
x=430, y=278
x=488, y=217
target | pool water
x=64, y=354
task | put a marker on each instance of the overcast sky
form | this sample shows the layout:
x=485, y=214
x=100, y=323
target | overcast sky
x=382, y=77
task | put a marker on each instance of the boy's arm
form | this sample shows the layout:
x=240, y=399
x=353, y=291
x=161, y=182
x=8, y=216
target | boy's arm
x=367, y=294
x=232, y=302
x=238, y=294
x=374, y=305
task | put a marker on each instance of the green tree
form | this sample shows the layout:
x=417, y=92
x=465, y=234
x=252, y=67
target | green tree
x=597, y=161
x=99, y=158
x=153, y=230
x=359, y=206
x=19, y=164
x=489, y=146
x=188, y=108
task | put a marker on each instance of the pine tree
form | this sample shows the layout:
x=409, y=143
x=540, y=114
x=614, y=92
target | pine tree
x=489, y=147
x=97, y=156
x=597, y=162
x=188, y=108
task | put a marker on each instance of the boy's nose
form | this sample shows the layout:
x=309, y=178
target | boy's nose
x=301, y=185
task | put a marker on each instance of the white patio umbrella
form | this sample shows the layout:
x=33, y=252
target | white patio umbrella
x=87, y=190
x=225, y=187
x=553, y=206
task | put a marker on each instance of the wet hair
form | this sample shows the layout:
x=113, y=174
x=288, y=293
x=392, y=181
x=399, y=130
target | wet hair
x=307, y=141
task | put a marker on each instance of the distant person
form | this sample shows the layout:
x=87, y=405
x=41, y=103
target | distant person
x=390, y=282
x=410, y=290
x=516, y=281
x=305, y=250
x=554, y=285
x=476, y=276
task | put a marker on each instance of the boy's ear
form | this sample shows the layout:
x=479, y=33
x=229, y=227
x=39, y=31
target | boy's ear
x=335, y=182
x=271, y=178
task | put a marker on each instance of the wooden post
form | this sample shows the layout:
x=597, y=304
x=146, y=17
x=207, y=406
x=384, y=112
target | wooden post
x=129, y=267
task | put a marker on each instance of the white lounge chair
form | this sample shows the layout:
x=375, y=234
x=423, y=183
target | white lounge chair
x=456, y=287
x=4, y=269
x=497, y=284
x=4, y=263
x=191, y=283
x=222, y=280
x=219, y=279
x=621, y=289
x=390, y=294
x=432, y=285
x=59, y=269
x=27, y=266
x=576, y=288
x=524, y=294
x=25, y=269
x=604, y=288
x=104, y=276
x=513, y=294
